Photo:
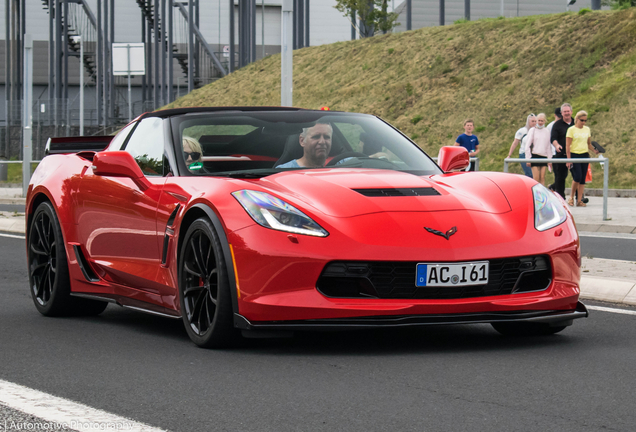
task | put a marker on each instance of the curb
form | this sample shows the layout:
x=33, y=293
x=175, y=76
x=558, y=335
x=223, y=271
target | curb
x=12, y=224
x=603, y=228
x=613, y=193
x=608, y=290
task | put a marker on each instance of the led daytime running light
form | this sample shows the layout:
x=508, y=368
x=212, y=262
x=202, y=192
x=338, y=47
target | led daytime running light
x=548, y=209
x=274, y=213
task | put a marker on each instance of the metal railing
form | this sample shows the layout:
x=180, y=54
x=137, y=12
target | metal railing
x=601, y=159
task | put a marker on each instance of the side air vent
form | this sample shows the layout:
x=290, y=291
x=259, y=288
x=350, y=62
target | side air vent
x=398, y=192
x=168, y=234
x=164, y=252
x=173, y=215
x=87, y=271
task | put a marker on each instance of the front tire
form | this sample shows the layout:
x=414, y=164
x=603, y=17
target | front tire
x=49, y=278
x=526, y=329
x=204, y=290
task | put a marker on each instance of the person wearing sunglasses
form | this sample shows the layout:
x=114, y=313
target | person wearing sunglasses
x=577, y=142
x=192, y=151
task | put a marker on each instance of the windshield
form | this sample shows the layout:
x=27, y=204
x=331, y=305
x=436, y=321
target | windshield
x=246, y=144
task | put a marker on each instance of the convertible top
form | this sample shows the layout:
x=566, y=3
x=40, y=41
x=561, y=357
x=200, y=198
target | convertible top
x=189, y=110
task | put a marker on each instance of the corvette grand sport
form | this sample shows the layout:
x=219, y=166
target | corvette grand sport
x=266, y=221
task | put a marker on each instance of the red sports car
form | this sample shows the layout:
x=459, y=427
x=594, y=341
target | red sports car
x=271, y=220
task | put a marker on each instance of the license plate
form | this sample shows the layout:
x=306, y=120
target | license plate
x=455, y=274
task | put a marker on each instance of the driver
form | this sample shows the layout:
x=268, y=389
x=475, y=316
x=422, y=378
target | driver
x=316, y=144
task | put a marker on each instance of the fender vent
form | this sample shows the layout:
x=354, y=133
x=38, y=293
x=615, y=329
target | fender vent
x=169, y=232
x=398, y=192
x=173, y=215
x=87, y=271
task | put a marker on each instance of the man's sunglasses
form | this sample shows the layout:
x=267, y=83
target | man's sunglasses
x=194, y=155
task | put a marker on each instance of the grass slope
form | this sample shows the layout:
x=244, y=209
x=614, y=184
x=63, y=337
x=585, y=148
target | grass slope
x=426, y=82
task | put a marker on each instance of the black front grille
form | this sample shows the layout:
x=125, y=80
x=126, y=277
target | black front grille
x=396, y=280
x=398, y=192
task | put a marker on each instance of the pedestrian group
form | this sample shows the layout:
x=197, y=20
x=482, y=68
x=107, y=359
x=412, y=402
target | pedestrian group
x=540, y=144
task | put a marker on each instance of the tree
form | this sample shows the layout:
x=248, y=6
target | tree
x=370, y=14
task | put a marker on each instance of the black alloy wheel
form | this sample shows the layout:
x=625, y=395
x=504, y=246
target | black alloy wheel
x=47, y=276
x=206, y=306
x=48, y=269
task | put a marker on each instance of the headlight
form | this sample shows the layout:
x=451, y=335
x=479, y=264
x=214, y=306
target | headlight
x=271, y=212
x=548, y=209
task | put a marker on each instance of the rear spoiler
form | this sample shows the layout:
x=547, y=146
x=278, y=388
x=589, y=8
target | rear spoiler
x=63, y=145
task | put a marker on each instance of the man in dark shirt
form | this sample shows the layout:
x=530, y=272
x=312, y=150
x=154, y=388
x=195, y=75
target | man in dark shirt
x=559, y=129
x=469, y=141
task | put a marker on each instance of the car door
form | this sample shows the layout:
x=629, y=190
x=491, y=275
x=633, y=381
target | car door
x=117, y=219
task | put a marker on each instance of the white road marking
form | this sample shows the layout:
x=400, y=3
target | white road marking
x=612, y=310
x=63, y=412
x=12, y=236
x=610, y=260
x=624, y=236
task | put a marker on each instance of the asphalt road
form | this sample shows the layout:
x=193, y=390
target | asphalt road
x=609, y=247
x=459, y=378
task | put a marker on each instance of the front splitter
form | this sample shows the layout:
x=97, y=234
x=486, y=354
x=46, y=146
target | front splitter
x=553, y=317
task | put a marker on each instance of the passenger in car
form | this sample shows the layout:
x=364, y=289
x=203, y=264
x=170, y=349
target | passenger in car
x=371, y=147
x=192, y=151
x=316, y=144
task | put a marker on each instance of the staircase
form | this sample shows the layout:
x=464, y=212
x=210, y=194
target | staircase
x=182, y=59
x=148, y=11
x=89, y=57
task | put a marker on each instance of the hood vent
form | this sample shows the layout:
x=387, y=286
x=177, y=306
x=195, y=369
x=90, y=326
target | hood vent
x=398, y=192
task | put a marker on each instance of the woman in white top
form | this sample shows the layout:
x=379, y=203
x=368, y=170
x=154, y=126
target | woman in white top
x=538, y=147
x=521, y=137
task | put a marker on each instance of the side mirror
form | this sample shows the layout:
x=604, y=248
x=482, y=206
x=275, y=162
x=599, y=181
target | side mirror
x=453, y=158
x=119, y=164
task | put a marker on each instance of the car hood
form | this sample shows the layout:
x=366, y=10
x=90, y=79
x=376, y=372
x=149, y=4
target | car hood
x=348, y=193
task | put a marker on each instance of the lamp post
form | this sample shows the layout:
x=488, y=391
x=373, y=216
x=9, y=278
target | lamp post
x=287, y=63
x=27, y=99
x=570, y=3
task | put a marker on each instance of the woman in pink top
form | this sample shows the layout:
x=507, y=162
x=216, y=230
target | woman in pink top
x=538, y=147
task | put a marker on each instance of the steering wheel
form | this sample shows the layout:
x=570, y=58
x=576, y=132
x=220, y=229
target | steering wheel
x=346, y=155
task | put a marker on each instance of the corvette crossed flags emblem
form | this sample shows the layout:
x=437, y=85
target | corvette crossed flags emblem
x=446, y=235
